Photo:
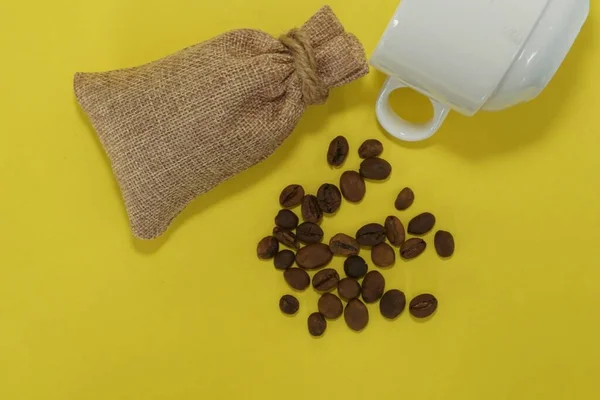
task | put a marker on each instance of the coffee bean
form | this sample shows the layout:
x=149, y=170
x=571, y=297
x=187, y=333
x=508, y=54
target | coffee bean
x=344, y=245
x=375, y=168
x=444, y=243
x=383, y=255
x=355, y=267
x=311, y=212
x=353, y=186
x=338, y=151
x=316, y=324
x=284, y=259
x=329, y=198
x=412, y=248
x=267, y=248
x=314, y=256
x=372, y=287
x=370, y=235
x=421, y=224
x=286, y=219
x=370, y=148
x=325, y=280
x=330, y=306
x=423, y=305
x=291, y=196
x=307, y=232
x=405, y=199
x=288, y=304
x=348, y=288
x=297, y=278
x=356, y=315
x=392, y=303
x=394, y=230
x=286, y=237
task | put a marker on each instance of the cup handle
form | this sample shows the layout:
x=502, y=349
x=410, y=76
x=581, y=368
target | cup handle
x=400, y=128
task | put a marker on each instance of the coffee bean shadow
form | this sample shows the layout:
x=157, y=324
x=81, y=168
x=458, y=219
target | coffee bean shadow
x=423, y=320
x=492, y=134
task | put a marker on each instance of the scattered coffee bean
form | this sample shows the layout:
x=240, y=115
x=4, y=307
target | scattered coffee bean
x=338, y=151
x=423, y=305
x=421, y=224
x=353, y=186
x=348, y=289
x=344, y=245
x=316, y=324
x=330, y=306
x=307, y=232
x=405, y=199
x=313, y=256
x=383, y=255
x=355, y=267
x=356, y=315
x=375, y=168
x=329, y=198
x=370, y=235
x=373, y=286
x=288, y=304
x=394, y=230
x=392, y=303
x=325, y=280
x=267, y=248
x=291, y=196
x=286, y=237
x=297, y=278
x=370, y=148
x=311, y=212
x=284, y=259
x=412, y=248
x=444, y=243
x=286, y=219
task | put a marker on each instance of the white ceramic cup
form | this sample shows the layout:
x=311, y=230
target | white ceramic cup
x=469, y=55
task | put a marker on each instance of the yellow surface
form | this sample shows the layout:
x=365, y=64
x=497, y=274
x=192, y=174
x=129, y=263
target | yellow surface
x=86, y=312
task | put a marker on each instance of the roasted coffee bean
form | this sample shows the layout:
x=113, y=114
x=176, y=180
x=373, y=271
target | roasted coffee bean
x=329, y=198
x=288, y=304
x=330, y=306
x=421, y=224
x=370, y=235
x=344, y=245
x=307, y=232
x=356, y=315
x=383, y=255
x=353, y=186
x=405, y=199
x=316, y=324
x=314, y=256
x=311, y=212
x=338, y=151
x=375, y=168
x=286, y=237
x=444, y=243
x=370, y=148
x=423, y=305
x=348, y=288
x=284, y=259
x=394, y=230
x=267, y=248
x=372, y=287
x=286, y=219
x=355, y=267
x=325, y=280
x=291, y=196
x=297, y=278
x=412, y=248
x=392, y=303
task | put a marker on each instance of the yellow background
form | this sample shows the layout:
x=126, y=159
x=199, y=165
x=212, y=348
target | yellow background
x=87, y=312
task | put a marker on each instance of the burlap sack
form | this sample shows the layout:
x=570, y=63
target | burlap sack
x=177, y=127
